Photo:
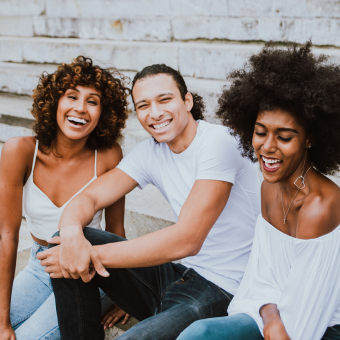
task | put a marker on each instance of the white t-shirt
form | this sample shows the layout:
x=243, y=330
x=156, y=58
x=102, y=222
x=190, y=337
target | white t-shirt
x=212, y=155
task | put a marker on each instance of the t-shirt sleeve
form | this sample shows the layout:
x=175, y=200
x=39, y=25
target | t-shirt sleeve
x=219, y=157
x=136, y=163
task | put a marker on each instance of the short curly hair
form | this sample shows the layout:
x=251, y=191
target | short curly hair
x=68, y=76
x=152, y=70
x=293, y=79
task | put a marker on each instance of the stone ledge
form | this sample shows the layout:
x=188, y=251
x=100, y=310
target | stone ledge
x=200, y=60
x=322, y=31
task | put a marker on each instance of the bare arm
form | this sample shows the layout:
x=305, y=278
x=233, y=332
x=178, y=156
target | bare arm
x=199, y=213
x=12, y=172
x=202, y=208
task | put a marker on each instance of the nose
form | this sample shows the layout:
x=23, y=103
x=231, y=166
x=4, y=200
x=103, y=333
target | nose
x=269, y=145
x=80, y=106
x=155, y=112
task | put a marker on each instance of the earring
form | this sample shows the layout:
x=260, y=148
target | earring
x=309, y=146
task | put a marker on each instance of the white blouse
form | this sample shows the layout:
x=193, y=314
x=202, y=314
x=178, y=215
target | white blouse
x=302, y=277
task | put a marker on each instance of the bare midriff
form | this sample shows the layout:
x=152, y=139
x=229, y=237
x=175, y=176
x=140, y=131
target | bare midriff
x=41, y=242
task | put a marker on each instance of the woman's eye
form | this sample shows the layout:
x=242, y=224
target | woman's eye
x=261, y=134
x=285, y=139
x=92, y=102
x=72, y=97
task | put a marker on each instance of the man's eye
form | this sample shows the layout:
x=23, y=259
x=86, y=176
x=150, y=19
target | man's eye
x=165, y=99
x=285, y=139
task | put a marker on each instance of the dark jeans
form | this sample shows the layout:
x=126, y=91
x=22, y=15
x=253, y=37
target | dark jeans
x=165, y=299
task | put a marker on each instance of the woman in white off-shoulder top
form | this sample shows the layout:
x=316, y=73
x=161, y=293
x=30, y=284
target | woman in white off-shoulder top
x=285, y=107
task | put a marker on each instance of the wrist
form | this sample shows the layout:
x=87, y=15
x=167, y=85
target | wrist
x=273, y=327
x=70, y=232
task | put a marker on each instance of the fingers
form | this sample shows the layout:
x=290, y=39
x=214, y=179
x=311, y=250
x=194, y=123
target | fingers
x=98, y=265
x=126, y=319
x=43, y=254
x=54, y=240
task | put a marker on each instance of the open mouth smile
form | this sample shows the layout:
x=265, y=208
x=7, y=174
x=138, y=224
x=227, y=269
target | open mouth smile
x=77, y=122
x=161, y=126
x=271, y=164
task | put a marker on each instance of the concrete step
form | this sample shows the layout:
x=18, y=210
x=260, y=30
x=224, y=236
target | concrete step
x=322, y=31
x=23, y=78
x=142, y=8
x=193, y=59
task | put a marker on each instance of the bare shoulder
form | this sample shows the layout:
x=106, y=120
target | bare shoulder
x=20, y=149
x=16, y=158
x=109, y=158
x=320, y=213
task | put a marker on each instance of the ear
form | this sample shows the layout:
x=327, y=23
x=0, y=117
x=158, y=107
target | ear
x=308, y=143
x=189, y=101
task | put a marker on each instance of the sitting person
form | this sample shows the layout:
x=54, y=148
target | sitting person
x=284, y=106
x=215, y=195
x=80, y=111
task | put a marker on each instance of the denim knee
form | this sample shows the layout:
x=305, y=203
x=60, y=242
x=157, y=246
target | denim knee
x=199, y=330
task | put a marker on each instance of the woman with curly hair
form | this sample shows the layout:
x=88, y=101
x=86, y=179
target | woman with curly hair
x=284, y=106
x=80, y=111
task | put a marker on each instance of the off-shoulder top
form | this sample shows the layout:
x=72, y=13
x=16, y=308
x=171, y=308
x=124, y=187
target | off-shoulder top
x=302, y=277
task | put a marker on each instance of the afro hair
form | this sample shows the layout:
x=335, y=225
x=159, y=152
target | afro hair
x=293, y=79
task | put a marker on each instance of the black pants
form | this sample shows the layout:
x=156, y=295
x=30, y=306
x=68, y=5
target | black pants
x=165, y=299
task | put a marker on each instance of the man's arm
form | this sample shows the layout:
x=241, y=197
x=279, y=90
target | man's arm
x=199, y=213
x=202, y=208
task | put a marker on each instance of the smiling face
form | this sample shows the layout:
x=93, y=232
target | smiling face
x=79, y=111
x=280, y=144
x=160, y=108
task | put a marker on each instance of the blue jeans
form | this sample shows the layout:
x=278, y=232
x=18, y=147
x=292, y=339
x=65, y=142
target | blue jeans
x=33, y=313
x=235, y=327
x=165, y=299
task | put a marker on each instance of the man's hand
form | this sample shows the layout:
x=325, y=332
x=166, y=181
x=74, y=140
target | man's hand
x=7, y=333
x=50, y=260
x=275, y=330
x=76, y=255
x=113, y=315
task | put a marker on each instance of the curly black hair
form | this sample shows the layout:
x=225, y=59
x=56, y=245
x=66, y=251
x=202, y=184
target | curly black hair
x=152, y=70
x=68, y=76
x=295, y=80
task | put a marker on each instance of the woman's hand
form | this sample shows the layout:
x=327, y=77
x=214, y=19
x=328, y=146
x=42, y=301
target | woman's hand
x=50, y=260
x=7, y=333
x=76, y=255
x=275, y=330
x=113, y=315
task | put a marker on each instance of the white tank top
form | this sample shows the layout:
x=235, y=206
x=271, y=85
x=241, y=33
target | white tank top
x=41, y=214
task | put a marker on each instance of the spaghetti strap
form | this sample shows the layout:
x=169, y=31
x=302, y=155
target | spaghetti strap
x=95, y=163
x=35, y=156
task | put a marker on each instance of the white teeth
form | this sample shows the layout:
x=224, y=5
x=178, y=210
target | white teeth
x=161, y=125
x=271, y=160
x=77, y=120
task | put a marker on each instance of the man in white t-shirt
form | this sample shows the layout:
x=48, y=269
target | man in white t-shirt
x=215, y=195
